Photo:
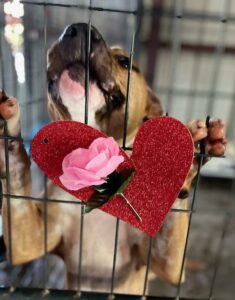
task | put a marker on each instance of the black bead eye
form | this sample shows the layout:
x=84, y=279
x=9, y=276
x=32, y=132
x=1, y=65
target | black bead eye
x=123, y=61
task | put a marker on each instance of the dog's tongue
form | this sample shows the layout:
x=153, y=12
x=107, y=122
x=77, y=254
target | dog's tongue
x=67, y=85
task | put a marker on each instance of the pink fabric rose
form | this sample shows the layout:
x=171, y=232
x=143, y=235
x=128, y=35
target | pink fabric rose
x=87, y=167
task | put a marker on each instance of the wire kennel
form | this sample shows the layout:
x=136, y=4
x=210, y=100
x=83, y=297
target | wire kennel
x=157, y=36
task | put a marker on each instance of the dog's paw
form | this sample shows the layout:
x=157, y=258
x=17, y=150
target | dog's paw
x=10, y=127
x=213, y=135
x=9, y=115
x=216, y=138
x=8, y=108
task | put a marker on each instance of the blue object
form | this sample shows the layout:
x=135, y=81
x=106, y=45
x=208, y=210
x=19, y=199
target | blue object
x=31, y=134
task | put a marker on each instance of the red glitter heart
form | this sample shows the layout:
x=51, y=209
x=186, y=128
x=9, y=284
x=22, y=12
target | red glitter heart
x=162, y=156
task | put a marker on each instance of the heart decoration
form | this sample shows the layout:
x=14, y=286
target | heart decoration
x=162, y=156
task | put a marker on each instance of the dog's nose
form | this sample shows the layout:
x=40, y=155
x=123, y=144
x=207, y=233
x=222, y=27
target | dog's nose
x=81, y=30
x=71, y=31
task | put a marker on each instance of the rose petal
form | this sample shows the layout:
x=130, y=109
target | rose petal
x=106, y=145
x=98, y=145
x=111, y=166
x=98, y=182
x=86, y=175
x=79, y=158
x=93, y=152
x=78, y=174
x=91, y=183
x=101, y=144
x=74, y=185
x=112, y=146
x=87, y=167
x=70, y=184
x=66, y=162
x=70, y=173
x=98, y=162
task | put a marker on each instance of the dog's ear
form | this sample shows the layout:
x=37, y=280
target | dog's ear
x=154, y=106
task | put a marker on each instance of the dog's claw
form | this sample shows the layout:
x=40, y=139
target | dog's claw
x=214, y=135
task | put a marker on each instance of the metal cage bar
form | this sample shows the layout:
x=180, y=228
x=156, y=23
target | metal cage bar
x=196, y=69
x=111, y=296
x=82, y=7
x=87, y=86
x=176, y=42
x=1, y=46
x=31, y=294
x=226, y=223
x=144, y=294
x=6, y=139
x=218, y=55
x=128, y=89
x=8, y=189
x=79, y=280
x=45, y=221
x=45, y=181
x=189, y=227
x=5, y=134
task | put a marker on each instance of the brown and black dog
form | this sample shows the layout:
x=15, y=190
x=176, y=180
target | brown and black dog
x=66, y=73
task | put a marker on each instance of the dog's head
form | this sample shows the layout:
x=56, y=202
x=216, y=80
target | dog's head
x=108, y=76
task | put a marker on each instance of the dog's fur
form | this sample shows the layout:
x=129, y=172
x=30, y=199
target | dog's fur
x=66, y=100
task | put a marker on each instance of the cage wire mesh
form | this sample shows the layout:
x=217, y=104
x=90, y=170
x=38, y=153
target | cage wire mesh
x=186, y=50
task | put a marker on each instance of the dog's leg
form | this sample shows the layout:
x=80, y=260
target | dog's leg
x=168, y=248
x=24, y=229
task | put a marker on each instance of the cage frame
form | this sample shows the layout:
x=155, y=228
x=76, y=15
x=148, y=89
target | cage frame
x=19, y=293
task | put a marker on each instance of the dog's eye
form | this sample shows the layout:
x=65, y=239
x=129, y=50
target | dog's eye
x=123, y=61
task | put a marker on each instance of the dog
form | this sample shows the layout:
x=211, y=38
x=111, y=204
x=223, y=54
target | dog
x=66, y=76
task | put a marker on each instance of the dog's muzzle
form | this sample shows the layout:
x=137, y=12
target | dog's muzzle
x=77, y=41
x=77, y=44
